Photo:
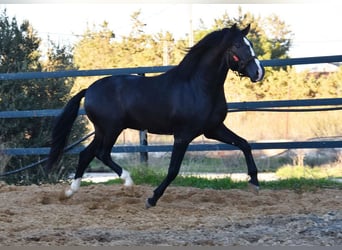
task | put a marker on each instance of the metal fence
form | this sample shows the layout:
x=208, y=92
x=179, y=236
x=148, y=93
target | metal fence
x=271, y=106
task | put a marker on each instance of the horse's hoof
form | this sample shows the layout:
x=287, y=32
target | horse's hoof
x=253, y=188
x=64, y=195
x=128, y=190
x=148, y=204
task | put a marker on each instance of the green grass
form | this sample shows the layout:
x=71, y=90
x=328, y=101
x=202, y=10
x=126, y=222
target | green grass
x=195, y=162
x=289, y=171
x=301, y=184
x=146, y=176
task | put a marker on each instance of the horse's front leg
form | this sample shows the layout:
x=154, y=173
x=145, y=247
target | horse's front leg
x=178, y=151
x=223, y=134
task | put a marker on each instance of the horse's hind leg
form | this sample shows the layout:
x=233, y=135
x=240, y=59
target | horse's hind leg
x=122, y=173
x=85, y=157
x=105, y=157
x=100, y=147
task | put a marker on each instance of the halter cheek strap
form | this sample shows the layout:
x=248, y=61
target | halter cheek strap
x=242, y=64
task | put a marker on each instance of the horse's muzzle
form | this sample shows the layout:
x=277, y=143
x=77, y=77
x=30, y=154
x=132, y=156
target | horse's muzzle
x=255, y=71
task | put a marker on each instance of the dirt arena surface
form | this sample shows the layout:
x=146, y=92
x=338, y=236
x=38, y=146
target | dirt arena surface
x=101, y=215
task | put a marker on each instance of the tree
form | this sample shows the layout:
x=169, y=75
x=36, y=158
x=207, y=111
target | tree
x=136, y=48
x=19, y=52
x=279, y=37
x=99, y=48
x=18, y=46
x=271, y=36
x=95, y=50
x=57, y=94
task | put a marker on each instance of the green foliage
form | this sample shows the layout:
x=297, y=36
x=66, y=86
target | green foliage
x=94, y=49
x=18, y=46
x=289, y=171
x=99, y=48
x=19, y=52
x=284, y=84
x=271, y=36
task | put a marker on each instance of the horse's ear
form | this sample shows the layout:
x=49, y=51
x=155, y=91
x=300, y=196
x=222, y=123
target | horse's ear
x=234, y=27
x=246, y=30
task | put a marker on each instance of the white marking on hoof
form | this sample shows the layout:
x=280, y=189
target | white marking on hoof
x=125, y=175
x=68, y=193
x=74, y=187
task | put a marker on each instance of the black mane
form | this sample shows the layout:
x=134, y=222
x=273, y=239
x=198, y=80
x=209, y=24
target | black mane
x=190, y=62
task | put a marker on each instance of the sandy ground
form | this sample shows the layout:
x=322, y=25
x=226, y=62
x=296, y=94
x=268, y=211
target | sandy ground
x=101, y=215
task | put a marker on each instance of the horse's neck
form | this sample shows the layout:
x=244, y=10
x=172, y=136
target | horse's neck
x=214, y=72
x=208, y=67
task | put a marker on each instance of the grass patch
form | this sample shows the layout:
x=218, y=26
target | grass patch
x=301, y=184
x=201, y=162
x=146, y=176
x=198, y=182
x=289, y=171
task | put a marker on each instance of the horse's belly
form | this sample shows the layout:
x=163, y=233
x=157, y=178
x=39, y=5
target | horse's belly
x=152, y=126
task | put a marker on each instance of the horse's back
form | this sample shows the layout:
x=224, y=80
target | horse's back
x=162, y=105
x=103, y=98
x=132, y=101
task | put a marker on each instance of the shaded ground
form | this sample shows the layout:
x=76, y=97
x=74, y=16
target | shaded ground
x=101, y=215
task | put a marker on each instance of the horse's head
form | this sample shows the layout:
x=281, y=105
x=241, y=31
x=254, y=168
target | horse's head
x=242, y=58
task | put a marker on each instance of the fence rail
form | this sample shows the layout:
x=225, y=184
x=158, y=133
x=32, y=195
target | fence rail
x=156, y=69
x=332, y=103
x=192, y=147
x=143, y=148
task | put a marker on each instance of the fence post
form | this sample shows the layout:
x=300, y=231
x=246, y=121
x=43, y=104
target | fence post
x=143, y=142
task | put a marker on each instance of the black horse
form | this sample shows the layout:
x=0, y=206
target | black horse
x=186, y=101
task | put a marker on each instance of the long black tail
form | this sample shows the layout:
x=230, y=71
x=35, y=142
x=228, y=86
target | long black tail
x=62, y=129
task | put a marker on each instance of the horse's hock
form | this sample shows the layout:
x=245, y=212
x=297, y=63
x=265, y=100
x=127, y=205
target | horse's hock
x=102, y=215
